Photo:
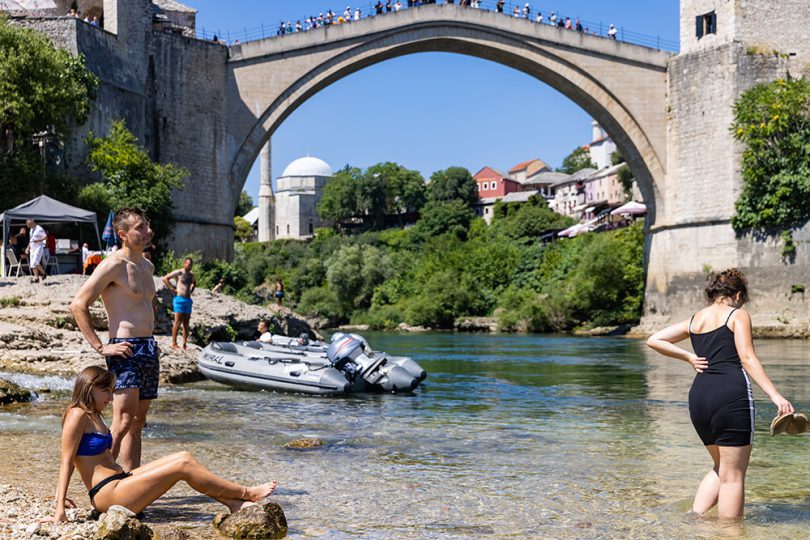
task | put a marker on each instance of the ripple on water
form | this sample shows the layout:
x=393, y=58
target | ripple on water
x=510, y=437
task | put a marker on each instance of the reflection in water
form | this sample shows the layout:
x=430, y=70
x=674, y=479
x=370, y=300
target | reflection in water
x=510, y=437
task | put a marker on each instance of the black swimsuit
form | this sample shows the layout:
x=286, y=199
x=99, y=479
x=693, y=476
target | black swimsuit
x=720, y=402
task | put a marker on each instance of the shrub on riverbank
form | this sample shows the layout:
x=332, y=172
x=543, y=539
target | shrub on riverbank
x=388, y=277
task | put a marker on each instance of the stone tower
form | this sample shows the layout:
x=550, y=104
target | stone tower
x=727, y=46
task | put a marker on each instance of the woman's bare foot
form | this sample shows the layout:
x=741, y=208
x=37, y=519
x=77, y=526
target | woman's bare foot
x=234, y=505
x=257, y=493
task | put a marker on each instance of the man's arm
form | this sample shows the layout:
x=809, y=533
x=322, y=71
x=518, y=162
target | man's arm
x=167, y=280
x=103, y=276
x=193, y=284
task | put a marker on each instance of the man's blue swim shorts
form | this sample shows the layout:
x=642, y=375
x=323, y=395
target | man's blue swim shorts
x=182, y=304
x=141, y=370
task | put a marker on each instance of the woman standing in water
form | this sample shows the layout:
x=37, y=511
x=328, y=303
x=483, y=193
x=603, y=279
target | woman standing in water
x=720, y=402
x=86, y=444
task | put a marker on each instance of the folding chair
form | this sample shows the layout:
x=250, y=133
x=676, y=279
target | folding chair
x=52, y=261
x=12, y=258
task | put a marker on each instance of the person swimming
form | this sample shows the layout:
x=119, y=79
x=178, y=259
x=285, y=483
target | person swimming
x=86, y=444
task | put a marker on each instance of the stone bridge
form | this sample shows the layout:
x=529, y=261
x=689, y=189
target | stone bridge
x=213, y=109
x=621, y=86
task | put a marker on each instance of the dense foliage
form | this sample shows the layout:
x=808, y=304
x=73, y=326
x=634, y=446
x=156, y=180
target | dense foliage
x=449, y=265
x=367, y=197
x=773, y=121
x=42, y=89
x=130, y=178
x=244, y=204
x=579, y=159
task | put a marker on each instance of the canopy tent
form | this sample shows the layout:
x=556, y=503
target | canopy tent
x=632, y=208
x=44, y=210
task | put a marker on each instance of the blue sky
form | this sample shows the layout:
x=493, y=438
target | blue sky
x=430, y=111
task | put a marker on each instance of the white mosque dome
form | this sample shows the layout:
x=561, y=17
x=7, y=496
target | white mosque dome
x=307, y=166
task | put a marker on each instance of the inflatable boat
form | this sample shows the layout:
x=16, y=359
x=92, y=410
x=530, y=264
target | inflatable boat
x=347, y=364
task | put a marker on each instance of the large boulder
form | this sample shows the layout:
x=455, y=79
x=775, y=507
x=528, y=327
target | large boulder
x=262, y=520
x=13, y=393
x=119, y=523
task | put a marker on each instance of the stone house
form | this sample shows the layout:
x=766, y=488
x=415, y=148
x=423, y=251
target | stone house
x=569, y=196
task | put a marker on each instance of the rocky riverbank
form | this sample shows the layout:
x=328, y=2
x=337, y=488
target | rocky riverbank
x=39, y=335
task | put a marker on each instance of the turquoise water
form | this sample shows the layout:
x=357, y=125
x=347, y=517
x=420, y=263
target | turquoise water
x=510, y=437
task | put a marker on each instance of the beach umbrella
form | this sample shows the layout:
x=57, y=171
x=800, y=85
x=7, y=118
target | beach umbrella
x=632, y=208
x=109, y=236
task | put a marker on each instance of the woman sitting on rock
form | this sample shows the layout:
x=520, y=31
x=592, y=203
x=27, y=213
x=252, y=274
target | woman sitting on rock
x=86, y=444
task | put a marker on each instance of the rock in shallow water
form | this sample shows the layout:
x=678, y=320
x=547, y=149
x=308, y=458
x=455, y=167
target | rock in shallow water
x=303, y=444
x=12, y=393
x=263, y=520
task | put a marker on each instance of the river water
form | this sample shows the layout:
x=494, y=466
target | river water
x=510, y=437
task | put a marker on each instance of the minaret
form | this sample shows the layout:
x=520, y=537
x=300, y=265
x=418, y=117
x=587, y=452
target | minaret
x=267, y=214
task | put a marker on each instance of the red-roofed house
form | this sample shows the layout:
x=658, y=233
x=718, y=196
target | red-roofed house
x=522, y=171
x=492, y=185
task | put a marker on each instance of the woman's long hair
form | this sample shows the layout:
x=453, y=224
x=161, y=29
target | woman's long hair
x=87, y=379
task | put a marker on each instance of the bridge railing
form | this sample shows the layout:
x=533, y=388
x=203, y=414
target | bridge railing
x=367, y=9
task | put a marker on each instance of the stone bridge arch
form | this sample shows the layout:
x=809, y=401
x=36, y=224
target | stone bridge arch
x=622, y=86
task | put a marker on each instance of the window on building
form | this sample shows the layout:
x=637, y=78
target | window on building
x=486, y=210
x=288, y=228
x=311, y=228
x=276, y=230
x=706, y=24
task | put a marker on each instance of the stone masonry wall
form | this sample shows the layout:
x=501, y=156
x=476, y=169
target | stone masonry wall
x=170, y=91
x=693, y=234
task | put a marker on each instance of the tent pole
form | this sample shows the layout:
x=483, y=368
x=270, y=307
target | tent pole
x=5, y=247
x=98, y=238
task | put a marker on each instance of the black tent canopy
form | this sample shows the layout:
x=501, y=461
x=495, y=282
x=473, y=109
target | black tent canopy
x=45, y=210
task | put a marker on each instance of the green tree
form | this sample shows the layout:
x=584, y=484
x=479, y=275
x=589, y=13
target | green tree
x=42, y=89
x=404, y=189
x=438, y=217
x=339, y=202
x=352, y=273
x=244, y=205
x=772, y=120
x=242, y=229
x=130, y=178
x=454, y=183
x=577, y=160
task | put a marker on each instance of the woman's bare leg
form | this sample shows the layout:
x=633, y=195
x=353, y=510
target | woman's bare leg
x=733, y=465
x=149, y=482
x=709, y=489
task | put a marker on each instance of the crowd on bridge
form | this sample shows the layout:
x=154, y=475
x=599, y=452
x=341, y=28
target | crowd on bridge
x=379, y=8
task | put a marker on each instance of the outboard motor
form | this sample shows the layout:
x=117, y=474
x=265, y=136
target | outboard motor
x=410, y=365
x=347, y=354
x=396, y=379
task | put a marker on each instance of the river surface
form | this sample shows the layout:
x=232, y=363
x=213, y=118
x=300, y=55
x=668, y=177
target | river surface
x=509, y=437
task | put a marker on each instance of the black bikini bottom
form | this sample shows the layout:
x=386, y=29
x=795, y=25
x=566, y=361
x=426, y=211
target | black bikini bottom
x=95, y=489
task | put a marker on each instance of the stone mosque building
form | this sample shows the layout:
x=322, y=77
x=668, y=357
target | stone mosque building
x=293, y=208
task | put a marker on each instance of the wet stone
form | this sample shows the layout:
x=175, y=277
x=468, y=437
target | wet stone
x=303, y=444
x=12, y=393
x=262, y=520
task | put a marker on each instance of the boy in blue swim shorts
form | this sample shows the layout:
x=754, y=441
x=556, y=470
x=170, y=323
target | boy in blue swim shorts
x=184, y=284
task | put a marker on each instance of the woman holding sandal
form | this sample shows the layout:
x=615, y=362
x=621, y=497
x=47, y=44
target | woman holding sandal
x=720, y=402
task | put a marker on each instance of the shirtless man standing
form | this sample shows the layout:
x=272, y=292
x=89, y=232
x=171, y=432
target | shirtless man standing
x=185, y=283
x=124, y=282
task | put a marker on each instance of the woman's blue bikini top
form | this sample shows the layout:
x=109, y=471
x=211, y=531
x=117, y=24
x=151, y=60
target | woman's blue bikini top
x=92, y=444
